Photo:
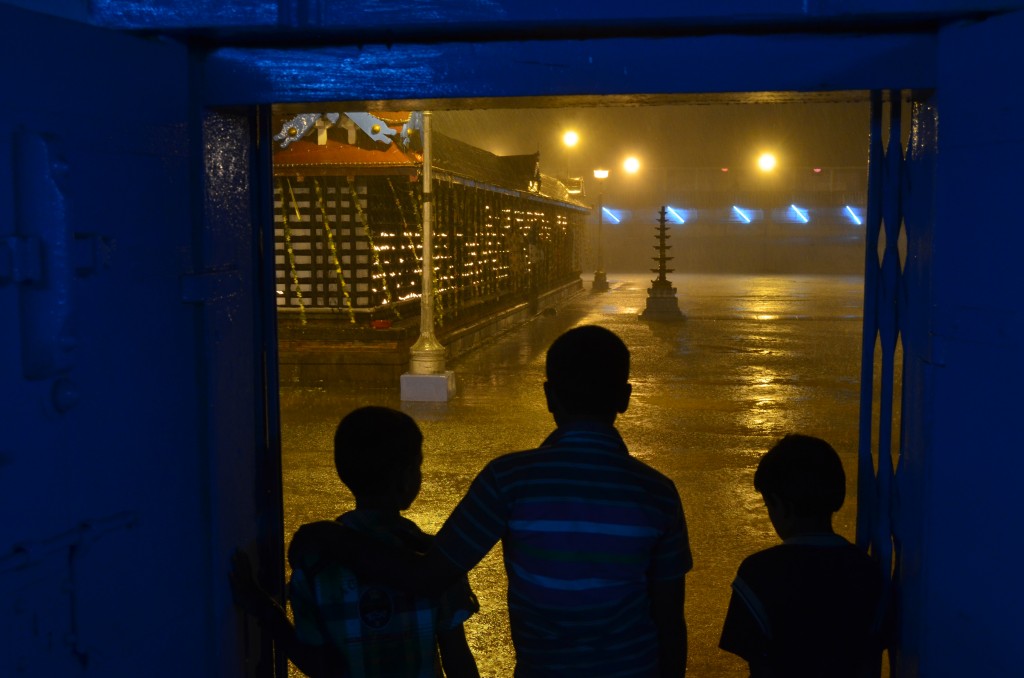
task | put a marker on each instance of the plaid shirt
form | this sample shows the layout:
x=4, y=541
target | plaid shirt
x=377, y=630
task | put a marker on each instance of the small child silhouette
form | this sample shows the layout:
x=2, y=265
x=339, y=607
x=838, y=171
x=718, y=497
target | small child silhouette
x=346, y=625
x=813, y=605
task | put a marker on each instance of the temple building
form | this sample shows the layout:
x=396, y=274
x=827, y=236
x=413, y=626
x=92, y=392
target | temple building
x=348, y=242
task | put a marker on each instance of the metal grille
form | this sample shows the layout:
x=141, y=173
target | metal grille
x=898, y=222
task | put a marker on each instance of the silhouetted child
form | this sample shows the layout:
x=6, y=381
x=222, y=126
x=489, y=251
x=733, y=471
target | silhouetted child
x=345, y=626
x=811, y=606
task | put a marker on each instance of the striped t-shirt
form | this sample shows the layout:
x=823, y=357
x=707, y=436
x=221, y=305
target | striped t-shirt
x=584, y=528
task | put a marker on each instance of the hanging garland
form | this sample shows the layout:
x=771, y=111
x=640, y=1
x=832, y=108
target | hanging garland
x=520, y=247
x=288, y=244
x=439, y=306
x=405, y=225
x=373, y=249
x=472, y=256
x=334, y=250
x=417, y=206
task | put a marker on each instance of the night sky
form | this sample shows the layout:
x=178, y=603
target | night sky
x=711, y=136
x=689, y=135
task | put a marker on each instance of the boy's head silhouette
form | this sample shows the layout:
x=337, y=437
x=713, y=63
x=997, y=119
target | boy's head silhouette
x=378, y=452
x=587, y=375
x=802, y=481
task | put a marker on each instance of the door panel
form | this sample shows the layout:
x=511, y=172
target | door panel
x=120, y=297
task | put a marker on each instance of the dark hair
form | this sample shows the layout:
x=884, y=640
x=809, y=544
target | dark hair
x=373, y=446
x=805, y=472
x=588, y=367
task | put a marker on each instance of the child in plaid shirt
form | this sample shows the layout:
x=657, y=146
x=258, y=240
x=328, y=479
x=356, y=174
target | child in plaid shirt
x=345, y=626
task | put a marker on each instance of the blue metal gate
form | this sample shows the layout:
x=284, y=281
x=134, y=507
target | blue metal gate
x=898, y=232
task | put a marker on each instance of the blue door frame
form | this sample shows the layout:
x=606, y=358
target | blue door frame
x=953, y=308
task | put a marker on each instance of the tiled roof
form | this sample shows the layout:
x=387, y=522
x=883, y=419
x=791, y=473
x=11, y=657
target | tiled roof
x=308, y=157
x=510, y=172
x=514, y=172
x=452, y=157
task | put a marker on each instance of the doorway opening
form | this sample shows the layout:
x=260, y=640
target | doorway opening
x=768, y=262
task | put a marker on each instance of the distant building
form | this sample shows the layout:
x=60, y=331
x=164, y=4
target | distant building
x=348, y=236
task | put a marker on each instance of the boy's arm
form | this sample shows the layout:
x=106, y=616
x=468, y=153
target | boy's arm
x=742, y=632
x=314, y=661
x=456, y=657
x=427, y=574
x=667, y=600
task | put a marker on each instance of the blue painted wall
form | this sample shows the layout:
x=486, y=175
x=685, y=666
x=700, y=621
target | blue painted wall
x=135, y=452
x=103, y=448
x=971, y=526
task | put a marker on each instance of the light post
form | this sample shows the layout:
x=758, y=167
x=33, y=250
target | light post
x=600, y=283
x=427, y=354
x=427, y=379
x=767, y=164
x=631, y=165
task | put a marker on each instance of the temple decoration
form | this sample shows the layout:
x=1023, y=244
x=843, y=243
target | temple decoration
x=304, y=123
x=661, y=297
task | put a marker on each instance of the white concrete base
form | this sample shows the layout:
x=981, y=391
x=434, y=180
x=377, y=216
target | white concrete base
x=432, y=388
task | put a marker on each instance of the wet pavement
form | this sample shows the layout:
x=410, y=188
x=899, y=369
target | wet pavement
x=757, y=357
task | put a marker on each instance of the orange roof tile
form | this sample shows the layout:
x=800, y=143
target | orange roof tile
x=308, y=157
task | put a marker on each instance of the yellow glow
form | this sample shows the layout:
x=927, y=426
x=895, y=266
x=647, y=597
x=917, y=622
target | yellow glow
x=600, y=174
x=570, y=138
x=631, y=165
x=766, y=162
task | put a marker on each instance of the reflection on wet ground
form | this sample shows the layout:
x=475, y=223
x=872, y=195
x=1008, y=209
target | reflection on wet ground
x=757, y=357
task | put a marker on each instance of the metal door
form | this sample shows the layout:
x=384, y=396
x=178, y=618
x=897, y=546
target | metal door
x=132, y=392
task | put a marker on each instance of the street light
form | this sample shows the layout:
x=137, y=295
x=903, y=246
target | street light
x=570, y=139
x=631, y=165
x=766, y=162
x=600, y=283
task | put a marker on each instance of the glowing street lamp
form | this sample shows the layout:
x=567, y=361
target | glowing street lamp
x=570, y=138
x=600, y=283
x=631, y=165
x=766, y=162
